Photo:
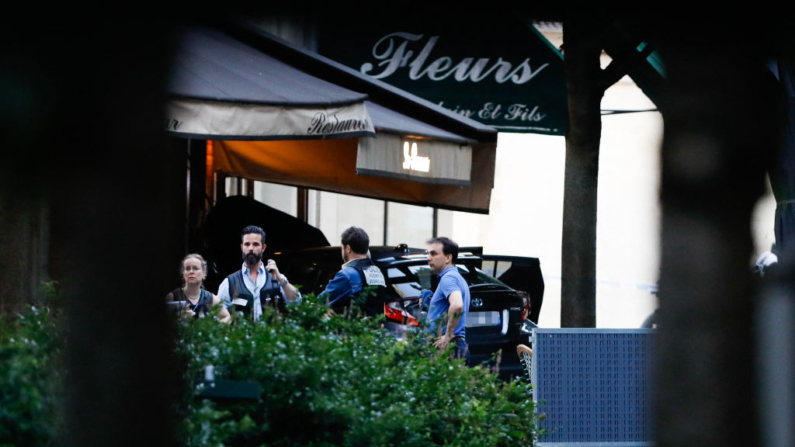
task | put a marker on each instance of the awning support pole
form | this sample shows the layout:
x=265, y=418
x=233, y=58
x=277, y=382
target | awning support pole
x=220, y=186
x=435, y=231
x=386, y=218
x=303, y=204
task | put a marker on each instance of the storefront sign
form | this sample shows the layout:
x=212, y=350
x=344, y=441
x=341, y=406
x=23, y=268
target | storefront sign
x=412, y=161
x=511, y=79
x=425, y=161
x=323, y=123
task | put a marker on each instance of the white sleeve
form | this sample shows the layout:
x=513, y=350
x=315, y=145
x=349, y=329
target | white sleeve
x=297, y=299
x=223, y=293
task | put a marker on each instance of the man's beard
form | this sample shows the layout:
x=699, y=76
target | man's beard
x=252, y=258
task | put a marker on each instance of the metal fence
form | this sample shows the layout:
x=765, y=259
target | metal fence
x=593, y=386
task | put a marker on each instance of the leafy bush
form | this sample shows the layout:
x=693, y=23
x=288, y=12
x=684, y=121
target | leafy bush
x=324, y=381
x=345, y=382
x=30, y=378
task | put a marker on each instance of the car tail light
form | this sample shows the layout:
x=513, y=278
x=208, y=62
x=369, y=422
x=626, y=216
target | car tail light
x=395, y=312
x=527, y=304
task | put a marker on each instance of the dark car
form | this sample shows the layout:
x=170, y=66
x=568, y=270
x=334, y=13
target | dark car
x=499, y=316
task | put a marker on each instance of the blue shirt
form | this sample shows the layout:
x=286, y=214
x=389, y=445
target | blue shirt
x=449, y=281
x=346, y=283
x=254, y=288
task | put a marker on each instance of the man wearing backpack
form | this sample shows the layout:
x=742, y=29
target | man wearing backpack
x=357, y=272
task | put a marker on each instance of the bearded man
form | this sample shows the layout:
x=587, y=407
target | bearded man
x=256, y=285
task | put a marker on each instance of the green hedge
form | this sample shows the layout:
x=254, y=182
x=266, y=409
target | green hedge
x=30, y=378
x=325, y=381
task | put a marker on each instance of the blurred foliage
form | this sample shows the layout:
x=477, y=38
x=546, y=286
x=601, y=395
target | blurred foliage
x=31, y=374
x=344, y=382
x=324, y=380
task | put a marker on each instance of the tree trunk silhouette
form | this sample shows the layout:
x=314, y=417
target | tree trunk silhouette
x=719, y=131
x=582, y=50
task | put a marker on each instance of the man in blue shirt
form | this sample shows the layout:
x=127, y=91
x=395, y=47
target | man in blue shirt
x=451, y=298
x=358, y=271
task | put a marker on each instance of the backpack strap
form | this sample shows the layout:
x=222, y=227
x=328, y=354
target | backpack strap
x=206, y=297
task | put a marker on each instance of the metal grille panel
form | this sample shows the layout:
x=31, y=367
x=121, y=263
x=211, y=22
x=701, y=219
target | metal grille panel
x=593, y=385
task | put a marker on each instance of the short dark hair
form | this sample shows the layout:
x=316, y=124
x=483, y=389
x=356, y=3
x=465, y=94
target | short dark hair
x=357, y=239
x=448, y=246
x=252, y=229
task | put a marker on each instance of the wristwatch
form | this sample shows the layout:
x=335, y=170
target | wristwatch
x=284, y=283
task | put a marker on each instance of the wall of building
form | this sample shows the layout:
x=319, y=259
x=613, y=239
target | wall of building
x=332, y=213
x=526, y=212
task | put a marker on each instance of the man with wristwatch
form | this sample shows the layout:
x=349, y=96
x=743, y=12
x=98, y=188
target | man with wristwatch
x=451, y=299
x=255, y=285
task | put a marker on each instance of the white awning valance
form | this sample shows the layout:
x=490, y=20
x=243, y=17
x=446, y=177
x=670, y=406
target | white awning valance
x=235, y=121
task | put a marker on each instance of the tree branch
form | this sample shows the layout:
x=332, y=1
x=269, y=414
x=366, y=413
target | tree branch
x=620, y=66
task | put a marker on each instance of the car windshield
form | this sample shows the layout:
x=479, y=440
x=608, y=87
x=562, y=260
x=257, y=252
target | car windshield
x=410, y=280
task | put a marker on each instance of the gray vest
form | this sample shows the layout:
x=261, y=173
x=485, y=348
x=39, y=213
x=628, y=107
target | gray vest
x=269, y=295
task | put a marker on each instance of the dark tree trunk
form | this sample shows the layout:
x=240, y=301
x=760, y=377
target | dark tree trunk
x=719, y=128
x=87, y=144
x=582, y=50
x=24, y=242
x=24, y=210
